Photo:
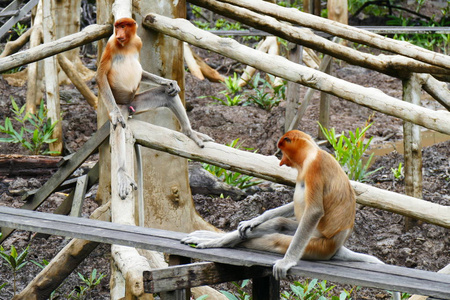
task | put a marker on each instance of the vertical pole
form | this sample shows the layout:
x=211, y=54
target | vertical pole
x=324, y=114
x=184, y=294
x=266, y=288
x=412, y=144
x=51, y=77
x=293, y=89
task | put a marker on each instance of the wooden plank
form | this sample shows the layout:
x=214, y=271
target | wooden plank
x=362, y=274
x=198, y=274
x=78, y=198
x=63, y=173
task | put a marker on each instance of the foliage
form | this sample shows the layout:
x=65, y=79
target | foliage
x=349, y=151
x=398, y=172
x=89, y=283
x=267, y=96
x=241, y=294
x=36, y=129
x=233, y=178
x=15, y=262
x=313, y=290
x=229, y=100
x=232, y=85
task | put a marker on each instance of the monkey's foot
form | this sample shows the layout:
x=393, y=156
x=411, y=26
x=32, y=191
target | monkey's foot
x=281, y=267
x=172, y=88
x=247, y=225
x=209, y=239
x=116, y=117
x=126, y=184
x=198, y=137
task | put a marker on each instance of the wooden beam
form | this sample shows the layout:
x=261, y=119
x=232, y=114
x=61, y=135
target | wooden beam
x=197, y=274
x=355, y=273
x=370, y=97
x=267, y=167
x=87, y=35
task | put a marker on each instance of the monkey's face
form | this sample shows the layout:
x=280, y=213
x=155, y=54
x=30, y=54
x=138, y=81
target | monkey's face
x=124, y=29
x=291, y=145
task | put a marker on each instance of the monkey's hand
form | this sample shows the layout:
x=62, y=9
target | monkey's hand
x=116, y=117
x=202, y=238
x=248, y=225
x=172, y=88
x=126, y=184
x=281, y=267
x=198, y=137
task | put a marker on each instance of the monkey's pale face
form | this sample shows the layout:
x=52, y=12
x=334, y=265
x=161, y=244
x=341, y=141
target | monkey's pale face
x=124, y=29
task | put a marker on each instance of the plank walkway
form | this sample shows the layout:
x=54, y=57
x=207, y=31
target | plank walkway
x=387, y=277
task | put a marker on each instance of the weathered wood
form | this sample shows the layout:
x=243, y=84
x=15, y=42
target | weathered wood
x=355, y=273
x=18, y=14
x=77, y=81
x=344, y=31
x=279, y=66
x=267, y=167
x=63, y=263
x=63, y=173
x=18, y=165
x=78, y=198
x=14, y=46
x=411, y=145
x=293, y=89
x=51, y=78
x=191, y=63
x=197, y=274
x=438, y=90
x=397, y=66
x=87, y=35
x=324, y=109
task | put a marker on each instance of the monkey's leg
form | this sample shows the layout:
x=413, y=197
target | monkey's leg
x=157, y=97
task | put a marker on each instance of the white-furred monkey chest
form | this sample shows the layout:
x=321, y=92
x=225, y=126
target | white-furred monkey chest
x=125, y=76
x=299, y=199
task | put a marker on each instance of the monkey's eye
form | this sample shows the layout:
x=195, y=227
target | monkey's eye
x=287, y=139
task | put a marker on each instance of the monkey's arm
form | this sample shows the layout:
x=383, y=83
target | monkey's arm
x=286, y=211
x=115, y=116
x=172, y=87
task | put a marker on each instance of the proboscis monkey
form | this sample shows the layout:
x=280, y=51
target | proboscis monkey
x=119, y=75
x=314, y=226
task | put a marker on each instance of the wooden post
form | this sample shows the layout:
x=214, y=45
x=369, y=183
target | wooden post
x=412, y=145
x=338, y=10
x=324, y=113
x=51, y=78
x=293, y=89
x=266, y=288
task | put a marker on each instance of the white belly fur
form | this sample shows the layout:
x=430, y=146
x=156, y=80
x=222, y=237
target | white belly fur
x=127, y=74
x=299, y=200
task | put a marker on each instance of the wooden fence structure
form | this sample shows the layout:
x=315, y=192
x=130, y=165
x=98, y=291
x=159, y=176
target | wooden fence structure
x=412, y=59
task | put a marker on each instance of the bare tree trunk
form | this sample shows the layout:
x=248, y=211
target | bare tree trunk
x=338, y=10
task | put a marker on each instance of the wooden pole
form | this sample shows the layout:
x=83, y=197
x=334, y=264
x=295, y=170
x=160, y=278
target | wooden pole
x=324, y=109
x=51, y=78
x=293, y=89
x=344, y=31
x=279, y=66
x=412, y=142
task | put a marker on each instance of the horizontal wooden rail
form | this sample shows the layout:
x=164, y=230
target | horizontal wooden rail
x=267, y=167
x=361, y=274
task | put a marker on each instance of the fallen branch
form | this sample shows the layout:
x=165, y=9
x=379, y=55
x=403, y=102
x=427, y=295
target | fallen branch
x=14, y=46
x=279, y=66
x=87, y=35
x=267, y=167
x=19, y=165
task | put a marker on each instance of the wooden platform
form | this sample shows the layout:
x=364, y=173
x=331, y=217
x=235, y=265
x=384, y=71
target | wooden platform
x=387, y=277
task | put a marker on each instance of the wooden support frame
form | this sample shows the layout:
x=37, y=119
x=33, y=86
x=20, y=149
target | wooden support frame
x=16, y=14
x=355, y=273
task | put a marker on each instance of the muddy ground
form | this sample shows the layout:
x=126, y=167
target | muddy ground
x=376, y=232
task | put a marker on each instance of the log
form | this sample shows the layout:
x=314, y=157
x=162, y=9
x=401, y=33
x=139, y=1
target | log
x=395, y=66
x=267, y=167
x=63, y=263
x=76, y=79
x=438, y=90
x=211, y=74
x=20, y=165
x=191, y=63
x=279, y=66
x=87, y=35
x=14, y=46
x=344, y=31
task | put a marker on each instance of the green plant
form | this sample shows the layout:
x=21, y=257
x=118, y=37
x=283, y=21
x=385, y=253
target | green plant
x=233, y=178
x=229, y=100
x=241, y=294
x=36, y=129
x=398, y=172
x=15, y=262
x=232, y=84
x=267, y=96
x=90, y=282
x=349, y=151
x=313, y=290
